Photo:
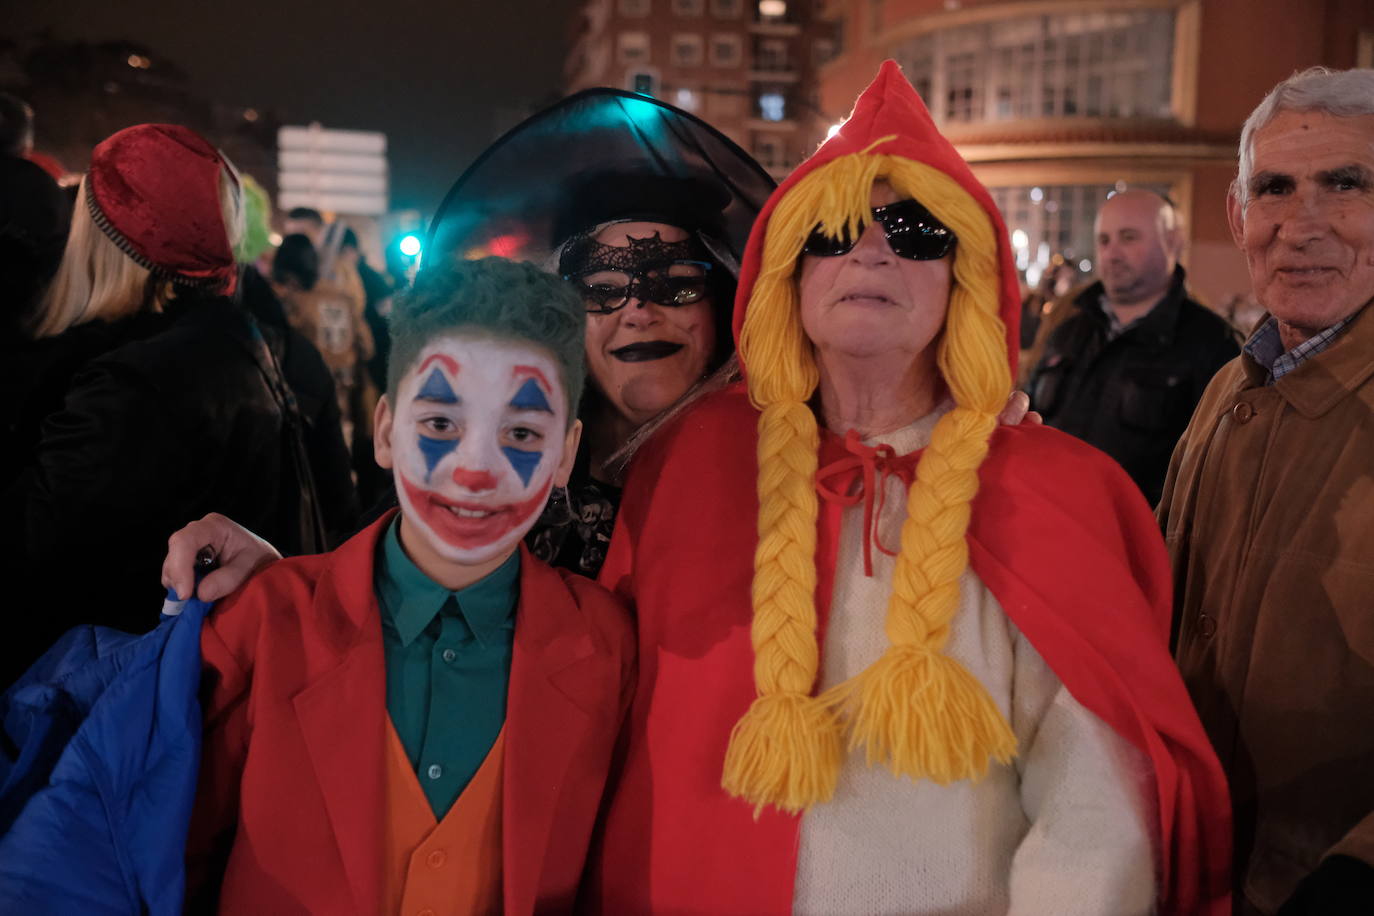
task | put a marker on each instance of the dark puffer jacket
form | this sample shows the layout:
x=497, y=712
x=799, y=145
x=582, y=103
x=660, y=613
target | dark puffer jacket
x=1131, y=396
x=116, y=435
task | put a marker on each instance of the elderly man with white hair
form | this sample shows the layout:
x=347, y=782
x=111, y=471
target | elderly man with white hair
x=1269, y=510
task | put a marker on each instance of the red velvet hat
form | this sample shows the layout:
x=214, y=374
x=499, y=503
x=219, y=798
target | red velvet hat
x=154, y=190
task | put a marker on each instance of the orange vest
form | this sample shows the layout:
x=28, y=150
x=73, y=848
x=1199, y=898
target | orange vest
x=449, y=866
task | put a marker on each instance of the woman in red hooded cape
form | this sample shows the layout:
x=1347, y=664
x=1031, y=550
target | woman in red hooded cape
x=741, y=788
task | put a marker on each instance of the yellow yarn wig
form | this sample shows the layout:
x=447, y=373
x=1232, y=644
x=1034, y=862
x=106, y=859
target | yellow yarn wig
x=916, y=710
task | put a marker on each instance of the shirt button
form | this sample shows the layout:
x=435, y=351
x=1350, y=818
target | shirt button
x=435, y=771
x=1206, y=626
x=449, y=655
x=425, y=912
x=436, y=859
x=1242, y=412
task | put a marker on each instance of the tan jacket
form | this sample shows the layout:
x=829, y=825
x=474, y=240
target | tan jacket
x=1268, y=511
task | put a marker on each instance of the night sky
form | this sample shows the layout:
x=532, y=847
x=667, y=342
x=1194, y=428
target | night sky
x=442, y=79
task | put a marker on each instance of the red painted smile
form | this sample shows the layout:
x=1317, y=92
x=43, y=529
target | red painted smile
x=470, y=525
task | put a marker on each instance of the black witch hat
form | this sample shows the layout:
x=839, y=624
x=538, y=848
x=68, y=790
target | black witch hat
x=601, y=155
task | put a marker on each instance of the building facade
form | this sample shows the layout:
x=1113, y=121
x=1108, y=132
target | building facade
x=1057, y=103
x=748, y=67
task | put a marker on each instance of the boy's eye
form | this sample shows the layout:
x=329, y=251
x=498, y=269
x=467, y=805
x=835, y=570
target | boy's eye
x=524, y=435
x=439, y=425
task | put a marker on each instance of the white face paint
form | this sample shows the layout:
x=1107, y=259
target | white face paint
x=479, y=434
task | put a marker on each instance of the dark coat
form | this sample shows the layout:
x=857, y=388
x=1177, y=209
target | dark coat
x=33, y=230
x=313, y=385
x=1130, y=396
x=116, y=435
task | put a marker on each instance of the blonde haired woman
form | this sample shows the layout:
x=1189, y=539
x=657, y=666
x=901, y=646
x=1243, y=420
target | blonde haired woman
x=145, y=400
x=917, y=684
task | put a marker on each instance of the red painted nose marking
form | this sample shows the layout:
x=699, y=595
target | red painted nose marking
x=474, y=480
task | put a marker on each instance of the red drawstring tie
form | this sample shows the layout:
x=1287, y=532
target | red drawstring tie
x=850, y=461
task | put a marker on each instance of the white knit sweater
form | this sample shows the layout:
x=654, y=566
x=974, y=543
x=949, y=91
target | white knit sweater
x=1065, y=830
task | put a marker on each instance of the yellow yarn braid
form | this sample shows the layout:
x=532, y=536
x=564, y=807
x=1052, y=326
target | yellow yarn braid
x=916, y=709
x=787, y=749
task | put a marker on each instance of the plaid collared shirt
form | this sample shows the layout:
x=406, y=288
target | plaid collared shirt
x=1266, y=348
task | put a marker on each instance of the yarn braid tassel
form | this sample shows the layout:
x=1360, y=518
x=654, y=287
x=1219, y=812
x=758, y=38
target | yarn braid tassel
x=916, y=710
x=786, y=750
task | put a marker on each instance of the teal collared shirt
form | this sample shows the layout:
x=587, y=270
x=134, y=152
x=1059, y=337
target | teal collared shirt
x=447, y=666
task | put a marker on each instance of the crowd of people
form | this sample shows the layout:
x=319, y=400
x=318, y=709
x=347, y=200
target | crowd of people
x=710, y=560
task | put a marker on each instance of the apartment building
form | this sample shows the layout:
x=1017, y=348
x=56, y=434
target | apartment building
x=1057, y=103
x=748, y=67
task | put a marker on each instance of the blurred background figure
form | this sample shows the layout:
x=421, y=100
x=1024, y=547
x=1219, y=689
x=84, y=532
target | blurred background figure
x=305, y=221
x=309, y=378
x=1122, y=364
x=331, y=318
x=146, y=398
x=377, y=292
x=343, y=272
x=1244, y=312
x=1055, y=283
x=33, y=219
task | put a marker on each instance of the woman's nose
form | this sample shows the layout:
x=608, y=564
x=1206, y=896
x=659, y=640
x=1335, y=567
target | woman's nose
x=872, y=247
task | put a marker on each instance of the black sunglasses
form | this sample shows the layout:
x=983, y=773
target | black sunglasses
x=912, y=232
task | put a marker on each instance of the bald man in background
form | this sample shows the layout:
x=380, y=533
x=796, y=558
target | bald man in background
x=1122, y=364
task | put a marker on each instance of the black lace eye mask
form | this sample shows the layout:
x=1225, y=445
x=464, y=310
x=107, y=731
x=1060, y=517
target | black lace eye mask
x=645, y=263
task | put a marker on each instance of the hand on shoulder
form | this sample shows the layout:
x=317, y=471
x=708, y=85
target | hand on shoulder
x=239, y=553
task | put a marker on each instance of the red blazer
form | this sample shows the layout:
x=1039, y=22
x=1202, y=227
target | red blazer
x=290, y=802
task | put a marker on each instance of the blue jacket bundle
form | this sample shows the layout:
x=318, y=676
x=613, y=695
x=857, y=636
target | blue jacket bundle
x=98, y=763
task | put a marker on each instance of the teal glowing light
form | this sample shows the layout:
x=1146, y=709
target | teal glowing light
x=410, y=246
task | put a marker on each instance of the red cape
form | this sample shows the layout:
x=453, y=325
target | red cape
x=1060, y=535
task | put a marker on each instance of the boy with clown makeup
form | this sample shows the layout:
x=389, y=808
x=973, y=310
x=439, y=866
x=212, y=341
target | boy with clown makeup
x=422, y=720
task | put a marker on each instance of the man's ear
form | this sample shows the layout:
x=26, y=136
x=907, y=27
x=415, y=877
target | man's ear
x=1235, y=217
x=570, y=443
x=382, y=425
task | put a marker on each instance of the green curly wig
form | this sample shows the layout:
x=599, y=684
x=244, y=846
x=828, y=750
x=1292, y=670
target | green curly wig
x=505, y=299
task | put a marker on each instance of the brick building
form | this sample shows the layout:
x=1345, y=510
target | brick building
x=1057, y=102
x=745, y=66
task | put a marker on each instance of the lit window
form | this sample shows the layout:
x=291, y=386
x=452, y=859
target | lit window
x=1114, y=63
x=772, y=106
x=686, y=99
x=772, y=10
x=687, y=50
x=635, y=7
x=726, y=50
x=688, y=7
x=633, y=47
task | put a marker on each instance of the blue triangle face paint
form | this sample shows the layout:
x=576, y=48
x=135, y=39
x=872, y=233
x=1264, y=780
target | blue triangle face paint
x=523, y=462
x=436, y=388
x=434, y=451
x=530, y=397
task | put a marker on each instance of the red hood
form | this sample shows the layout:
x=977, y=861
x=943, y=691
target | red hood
x=888, y=107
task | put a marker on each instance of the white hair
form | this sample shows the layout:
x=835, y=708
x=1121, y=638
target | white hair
x=1343, y=93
